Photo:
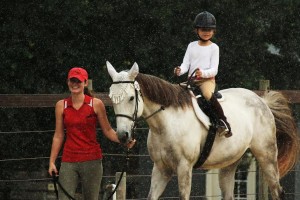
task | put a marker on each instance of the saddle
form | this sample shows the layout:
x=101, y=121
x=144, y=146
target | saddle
x=200, y=104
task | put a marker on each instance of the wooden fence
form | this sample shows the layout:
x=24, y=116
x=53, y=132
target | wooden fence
x=49, y=100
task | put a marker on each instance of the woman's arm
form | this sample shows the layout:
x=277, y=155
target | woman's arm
x=107, y=130
x=103, y=121
x=58, y=137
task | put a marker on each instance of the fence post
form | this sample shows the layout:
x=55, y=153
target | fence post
x=121, y=190
x=90, y=85
x=264, y=85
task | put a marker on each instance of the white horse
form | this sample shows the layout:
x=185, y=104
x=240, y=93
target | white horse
x=176, y=136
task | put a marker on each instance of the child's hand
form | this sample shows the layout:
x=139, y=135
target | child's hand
x=177, y=71
x=198, y=74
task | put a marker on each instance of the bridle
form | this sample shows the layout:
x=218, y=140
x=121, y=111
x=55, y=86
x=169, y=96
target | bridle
x=134, y=116
x=135, y=120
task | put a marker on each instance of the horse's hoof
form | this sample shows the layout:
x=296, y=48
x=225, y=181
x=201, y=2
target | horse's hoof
x=282, y=195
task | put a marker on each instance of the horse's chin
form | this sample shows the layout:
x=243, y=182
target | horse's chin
x=124, y=139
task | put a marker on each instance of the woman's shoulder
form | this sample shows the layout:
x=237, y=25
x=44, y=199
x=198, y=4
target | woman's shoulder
x=59, y=106
x=60, y=102
x=98, y=102
x=99, y=106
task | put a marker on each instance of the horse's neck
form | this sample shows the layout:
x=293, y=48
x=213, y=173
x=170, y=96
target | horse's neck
x=153, y=114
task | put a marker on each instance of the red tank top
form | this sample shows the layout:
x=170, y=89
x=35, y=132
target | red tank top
x=81, y=142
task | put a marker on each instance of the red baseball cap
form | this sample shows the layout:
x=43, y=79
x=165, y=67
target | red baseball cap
x=79, y=73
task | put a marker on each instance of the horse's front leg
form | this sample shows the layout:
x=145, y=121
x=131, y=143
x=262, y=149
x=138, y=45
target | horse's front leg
x=184, y=173
x=159, y=181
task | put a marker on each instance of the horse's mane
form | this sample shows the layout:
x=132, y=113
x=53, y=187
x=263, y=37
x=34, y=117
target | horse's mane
x=162, y=92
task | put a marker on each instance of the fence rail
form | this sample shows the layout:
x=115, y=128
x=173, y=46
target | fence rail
x=49, y=100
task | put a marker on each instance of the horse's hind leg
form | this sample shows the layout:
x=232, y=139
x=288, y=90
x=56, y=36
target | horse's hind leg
x=267, y=159
x=226, y=181
x=159, y=181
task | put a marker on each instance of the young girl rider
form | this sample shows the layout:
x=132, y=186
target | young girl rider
x=202, y=56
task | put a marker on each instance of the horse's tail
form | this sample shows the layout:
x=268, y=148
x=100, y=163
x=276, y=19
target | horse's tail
x=288, y=141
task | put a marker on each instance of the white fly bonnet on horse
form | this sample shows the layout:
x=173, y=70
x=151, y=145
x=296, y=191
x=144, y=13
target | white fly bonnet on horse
x=117, y=91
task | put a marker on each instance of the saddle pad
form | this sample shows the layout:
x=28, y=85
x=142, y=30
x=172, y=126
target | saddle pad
x=203, y=118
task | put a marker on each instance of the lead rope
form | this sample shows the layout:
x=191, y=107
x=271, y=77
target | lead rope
x=121, y=176
x=55, y=181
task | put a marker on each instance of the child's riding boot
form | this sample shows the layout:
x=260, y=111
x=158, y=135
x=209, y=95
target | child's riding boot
x=223, y=125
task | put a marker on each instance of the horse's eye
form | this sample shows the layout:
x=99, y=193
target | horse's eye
x=131, y=98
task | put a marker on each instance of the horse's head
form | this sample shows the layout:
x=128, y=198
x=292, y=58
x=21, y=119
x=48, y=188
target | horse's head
x=127, y=100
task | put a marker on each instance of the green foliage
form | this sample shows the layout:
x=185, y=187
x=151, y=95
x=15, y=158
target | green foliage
x=42, y=40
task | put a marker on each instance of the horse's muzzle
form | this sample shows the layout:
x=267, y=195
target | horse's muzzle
x=123, y=137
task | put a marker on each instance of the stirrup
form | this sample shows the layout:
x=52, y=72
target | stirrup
x=223, y=129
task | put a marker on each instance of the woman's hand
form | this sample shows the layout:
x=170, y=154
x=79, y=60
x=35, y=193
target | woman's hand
x=52, y=168
x=131, y=144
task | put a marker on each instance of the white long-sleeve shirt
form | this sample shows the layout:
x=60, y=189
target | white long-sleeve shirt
x=205, y=58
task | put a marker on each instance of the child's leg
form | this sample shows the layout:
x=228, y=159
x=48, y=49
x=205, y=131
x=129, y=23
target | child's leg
x=219, y=111
x=208, y=87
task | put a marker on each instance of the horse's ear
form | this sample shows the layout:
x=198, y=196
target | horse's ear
x=111, y=70
x=133, y=72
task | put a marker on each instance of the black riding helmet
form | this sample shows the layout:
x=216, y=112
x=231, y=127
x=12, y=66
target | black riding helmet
x=205, y=20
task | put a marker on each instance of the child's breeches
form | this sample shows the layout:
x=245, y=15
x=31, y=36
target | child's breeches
x=207, y=87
